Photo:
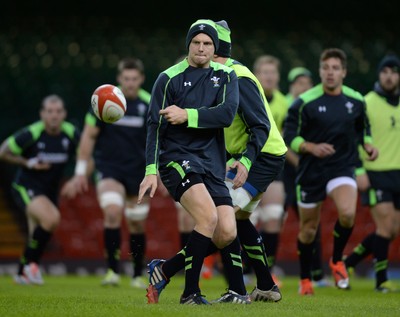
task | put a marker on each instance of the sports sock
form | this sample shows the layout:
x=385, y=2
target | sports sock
x=253, y=246
x=271, y=241
x=138, y=249
x=177, y=262
x=340, y=237
x=112, y=243
x=380, y=251
x=184, y=238
x=36, y=245
x=232, y=262
x=361, y=251
x=305, y=256
x=317, y=271
x=196, y=251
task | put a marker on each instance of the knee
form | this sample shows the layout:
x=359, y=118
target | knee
x=51, y=222
x=346, y=218
x=112, y=216
x=307, y=234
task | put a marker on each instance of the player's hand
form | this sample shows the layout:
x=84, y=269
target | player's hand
x=320, y=150
x=174, y=115
x=68, y=190
x=148, y=182
x=371, y=151
x=363, y=182
x=241, y=174
x=35, y=164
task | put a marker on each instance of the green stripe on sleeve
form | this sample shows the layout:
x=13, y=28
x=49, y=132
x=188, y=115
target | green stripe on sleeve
x=13, y=146
x=367, y=139
x=90, y=119
x=360, y=171
x=151, y=169
x=193, y=118
x=246, y=162
x=296, y=142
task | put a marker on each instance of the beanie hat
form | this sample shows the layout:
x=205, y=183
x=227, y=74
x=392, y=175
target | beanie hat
x=391, y=61
x=224, y=36
x=297, y=72
x=203, y=26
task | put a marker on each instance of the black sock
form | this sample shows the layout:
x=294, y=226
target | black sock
x=232, y=262
x=317, y=271
x=361, y=251
x=112, y=244
x=196, y=251
x=184, y=238
x=253, y=246
x=36, y=245
x=380, y=251
x=271, y=241
x=341, y=236
x=305, y=256
x=138, y=249
x=177, y=262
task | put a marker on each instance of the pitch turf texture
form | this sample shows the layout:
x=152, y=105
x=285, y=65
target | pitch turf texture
x=83, y=296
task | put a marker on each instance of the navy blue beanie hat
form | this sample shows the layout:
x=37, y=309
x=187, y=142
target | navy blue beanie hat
x=391, y=61
x=203, y=26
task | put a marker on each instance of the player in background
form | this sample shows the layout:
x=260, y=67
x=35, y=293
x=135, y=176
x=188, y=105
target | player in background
x=119, y=153
x=379, y=180
x=41, y=151
x=325, y=126
x=300, y=80
x=271, y=210
x=192, y=102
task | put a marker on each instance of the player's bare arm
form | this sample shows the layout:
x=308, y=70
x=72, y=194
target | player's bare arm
x=9, y=157
x=319, y=150
x=84, y=164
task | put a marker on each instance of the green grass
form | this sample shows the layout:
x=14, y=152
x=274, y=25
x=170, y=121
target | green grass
x=83, y=296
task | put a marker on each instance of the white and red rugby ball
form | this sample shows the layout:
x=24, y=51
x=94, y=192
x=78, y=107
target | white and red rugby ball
x=108, y=103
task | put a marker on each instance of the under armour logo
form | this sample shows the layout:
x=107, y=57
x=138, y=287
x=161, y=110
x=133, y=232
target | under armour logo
x=379, y=194
x=202, y=27
x=187, y=83
x=303, y=195
x=185, y=182
x=322, y=109
x=259, y=240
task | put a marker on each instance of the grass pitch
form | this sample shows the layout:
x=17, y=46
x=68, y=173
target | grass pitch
x=83, y=296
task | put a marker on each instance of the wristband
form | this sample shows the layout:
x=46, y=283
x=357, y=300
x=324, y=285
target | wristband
x=81, y=167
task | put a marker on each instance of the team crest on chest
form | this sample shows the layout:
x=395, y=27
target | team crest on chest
x=215, y=80
x=349, y=105
x=141, y=108
x=65, y=143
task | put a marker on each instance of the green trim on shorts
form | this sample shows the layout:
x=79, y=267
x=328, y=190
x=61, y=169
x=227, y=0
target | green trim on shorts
x=372, y=197
x=22, y=191
x=178, y=168
x=298, y=192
